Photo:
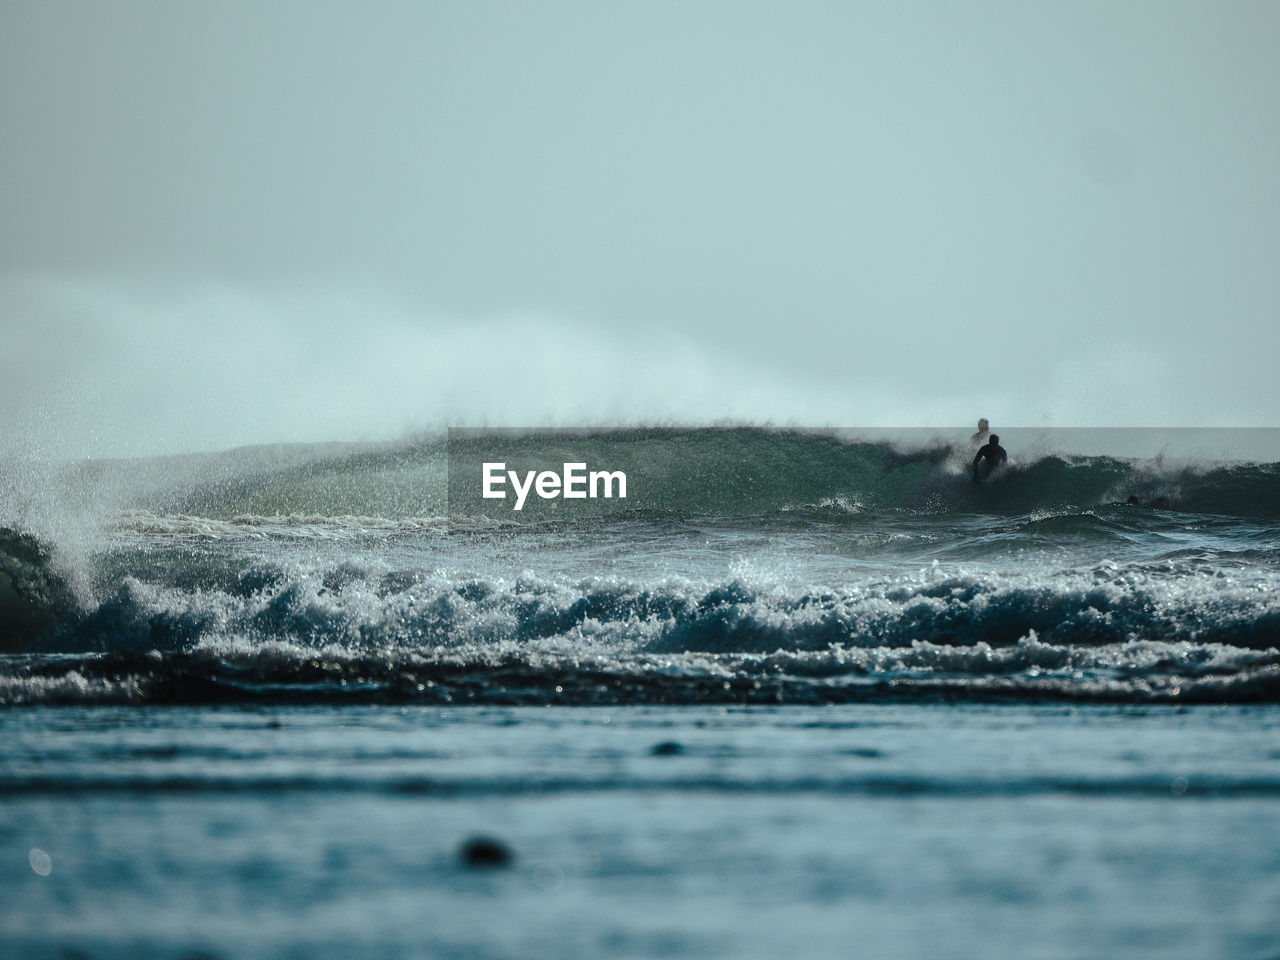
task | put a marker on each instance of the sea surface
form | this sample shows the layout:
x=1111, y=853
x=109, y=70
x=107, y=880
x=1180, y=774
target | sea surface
x=800, y=692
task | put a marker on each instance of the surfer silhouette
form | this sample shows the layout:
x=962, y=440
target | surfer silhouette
x=983, y=430
x=994, y=456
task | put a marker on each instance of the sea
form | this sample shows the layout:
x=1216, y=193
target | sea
x=810, y=693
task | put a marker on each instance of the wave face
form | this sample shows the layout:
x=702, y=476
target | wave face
x=749, y=566
x=674, y=472
x=751, y=472
x=33, y=596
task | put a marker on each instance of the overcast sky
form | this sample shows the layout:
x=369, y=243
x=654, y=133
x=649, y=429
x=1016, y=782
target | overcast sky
x=227, y=223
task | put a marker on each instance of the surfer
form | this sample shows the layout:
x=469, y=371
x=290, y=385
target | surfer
x=983, y=430
x=993, y=453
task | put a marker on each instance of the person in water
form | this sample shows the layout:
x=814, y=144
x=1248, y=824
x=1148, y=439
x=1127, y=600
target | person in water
x=993, y=453
x=983, y=430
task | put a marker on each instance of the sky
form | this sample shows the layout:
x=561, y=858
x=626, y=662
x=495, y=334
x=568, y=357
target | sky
x=231, y=223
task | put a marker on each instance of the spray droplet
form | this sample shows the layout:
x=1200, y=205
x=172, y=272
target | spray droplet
x=40, y=862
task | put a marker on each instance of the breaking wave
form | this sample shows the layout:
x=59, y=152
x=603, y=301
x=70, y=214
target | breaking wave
x=354, y=634
x=676, y=472
x=353, y=572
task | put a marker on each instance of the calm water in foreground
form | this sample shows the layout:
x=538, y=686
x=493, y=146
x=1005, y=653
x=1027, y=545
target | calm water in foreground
x=879, y=830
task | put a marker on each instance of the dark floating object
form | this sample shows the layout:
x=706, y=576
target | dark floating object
x=485, y=852
x=667, y=748
x=869, y=753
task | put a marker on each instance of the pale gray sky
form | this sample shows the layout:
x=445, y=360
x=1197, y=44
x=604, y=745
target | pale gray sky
x=234, y=222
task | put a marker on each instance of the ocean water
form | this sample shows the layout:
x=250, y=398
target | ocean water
x=799, y=692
